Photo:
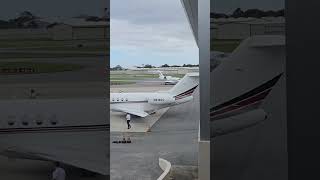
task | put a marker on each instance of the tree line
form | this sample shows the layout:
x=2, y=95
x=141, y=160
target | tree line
x=256, y=13
x=119, y=68
x=27, y=19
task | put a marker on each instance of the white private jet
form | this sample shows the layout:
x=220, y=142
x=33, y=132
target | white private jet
x=169, y=80
x=143, y=104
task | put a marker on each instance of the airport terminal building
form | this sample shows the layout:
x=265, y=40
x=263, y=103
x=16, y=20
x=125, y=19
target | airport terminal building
x=60, y=29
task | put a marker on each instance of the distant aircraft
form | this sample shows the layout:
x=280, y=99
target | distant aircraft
x=242, y=81
x=216, y=57
x=169, y=80
x=143, y=104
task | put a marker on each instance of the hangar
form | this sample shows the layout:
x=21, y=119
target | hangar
x=242, y=28
x=80, y=30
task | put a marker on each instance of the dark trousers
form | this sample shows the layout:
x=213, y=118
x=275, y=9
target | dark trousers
x=128, y=123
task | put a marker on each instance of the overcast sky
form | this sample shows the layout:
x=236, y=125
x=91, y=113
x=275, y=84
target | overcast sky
x=150, y=32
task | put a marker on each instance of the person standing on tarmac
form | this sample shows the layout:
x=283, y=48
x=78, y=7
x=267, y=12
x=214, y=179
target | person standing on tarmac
x=128, y=117
x=58, y=173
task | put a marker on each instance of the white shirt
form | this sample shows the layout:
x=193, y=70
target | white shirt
x=59, y=174
x=128, y=117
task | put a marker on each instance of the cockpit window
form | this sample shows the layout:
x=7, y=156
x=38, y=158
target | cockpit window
x=39, y=122
x=11, y=120
x=24, y=120
x=53, y=120
x=39, y=119
x=11, y=123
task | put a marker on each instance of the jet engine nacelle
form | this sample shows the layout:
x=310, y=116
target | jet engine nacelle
x=161, y=99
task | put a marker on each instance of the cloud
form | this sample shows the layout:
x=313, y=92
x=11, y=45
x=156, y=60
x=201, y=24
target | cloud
x=151, y=28
x=148, y=11
x=161, y=38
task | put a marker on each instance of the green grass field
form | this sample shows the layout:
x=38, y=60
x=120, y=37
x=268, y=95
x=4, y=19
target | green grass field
x=12, y=43
x=35, y=43
x=121, y=79
x=224, y=45
x=119, y=82
x=36, y=67
x=43, y=48
x=132, y=76
x=72, y=48
x=46, y=55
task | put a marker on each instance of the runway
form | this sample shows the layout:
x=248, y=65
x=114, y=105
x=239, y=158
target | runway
x=173, y=137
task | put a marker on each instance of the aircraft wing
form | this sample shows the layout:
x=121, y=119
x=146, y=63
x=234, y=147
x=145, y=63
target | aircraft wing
x=71, y=149
x=132, y=111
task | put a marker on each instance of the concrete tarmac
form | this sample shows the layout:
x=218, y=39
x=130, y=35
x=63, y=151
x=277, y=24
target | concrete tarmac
x=118, y=122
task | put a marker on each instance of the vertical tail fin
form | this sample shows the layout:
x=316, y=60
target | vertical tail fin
x=242, y=81
x=161, y=76
x=246, y=77
x=186, y=86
